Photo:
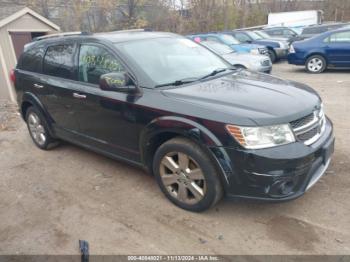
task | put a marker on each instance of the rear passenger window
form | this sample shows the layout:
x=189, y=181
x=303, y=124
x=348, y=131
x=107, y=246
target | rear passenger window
x=58, y=61
x=31, y=60
x=343, y=37
x=95, y=61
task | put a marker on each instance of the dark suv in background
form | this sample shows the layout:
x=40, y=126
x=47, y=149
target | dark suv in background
x=280, y=31
x=171, y=106
x=315, y=30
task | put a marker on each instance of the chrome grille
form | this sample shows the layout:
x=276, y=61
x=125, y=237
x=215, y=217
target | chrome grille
x=302, y=121
x=308, y=135
x=309, y=128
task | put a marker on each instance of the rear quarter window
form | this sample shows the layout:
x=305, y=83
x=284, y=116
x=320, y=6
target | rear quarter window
x=31, y=60
x=58, y=61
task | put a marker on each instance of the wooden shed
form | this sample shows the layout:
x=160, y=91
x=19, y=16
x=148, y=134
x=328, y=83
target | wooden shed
x=17, y=30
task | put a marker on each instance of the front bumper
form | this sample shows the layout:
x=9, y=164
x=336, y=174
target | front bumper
x=281, y=52
x=276, y=174
x=265, y=69
x=296, y=59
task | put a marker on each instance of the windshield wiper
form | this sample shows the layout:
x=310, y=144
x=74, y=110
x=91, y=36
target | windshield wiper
x=179, y=82
x=217, y=71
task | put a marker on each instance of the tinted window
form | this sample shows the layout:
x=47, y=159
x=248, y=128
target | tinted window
x=313, y=30
x=95, y=61
x=242, y=37
x=212, y=38
x=275, y=32
x=340, y=37
x=287, y=32
x=58, y=61
x=31, y=60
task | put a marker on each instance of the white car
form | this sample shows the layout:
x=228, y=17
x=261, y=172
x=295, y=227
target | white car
x=259, y=63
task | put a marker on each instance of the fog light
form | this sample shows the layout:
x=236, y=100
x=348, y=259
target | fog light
x=286, y=187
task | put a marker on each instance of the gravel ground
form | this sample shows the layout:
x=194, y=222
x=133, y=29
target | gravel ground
x=49, y=200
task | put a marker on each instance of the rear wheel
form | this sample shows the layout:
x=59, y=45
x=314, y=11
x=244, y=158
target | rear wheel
x=38, y=129
x=186, y=175
x=316, y=64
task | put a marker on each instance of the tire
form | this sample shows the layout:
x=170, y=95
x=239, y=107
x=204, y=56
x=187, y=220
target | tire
x=316, y=64
x=192, y=181
x=272, y=56
x=38, y=129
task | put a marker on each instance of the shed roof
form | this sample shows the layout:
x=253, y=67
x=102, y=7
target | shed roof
x=22, y=12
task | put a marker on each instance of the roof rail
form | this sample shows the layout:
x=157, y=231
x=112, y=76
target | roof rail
x=60, y=35
x=128, y=31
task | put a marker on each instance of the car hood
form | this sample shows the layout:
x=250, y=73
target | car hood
x=248, y=98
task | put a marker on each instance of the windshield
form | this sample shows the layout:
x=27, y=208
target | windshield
x=254, y=35
x=218, y=48
x=263, y=34
x=166, y=60
x=230, y=40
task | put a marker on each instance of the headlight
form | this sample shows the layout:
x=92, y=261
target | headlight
x=255, y=52
x=262, y=137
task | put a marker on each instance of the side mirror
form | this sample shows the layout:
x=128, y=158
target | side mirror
x=119, y=82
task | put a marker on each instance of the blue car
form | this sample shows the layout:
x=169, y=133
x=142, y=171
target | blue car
x=231, y=42
x=278, y=49
x=328, y=50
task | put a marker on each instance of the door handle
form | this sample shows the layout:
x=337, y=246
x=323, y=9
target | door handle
x=38, y=86
x=79, y=96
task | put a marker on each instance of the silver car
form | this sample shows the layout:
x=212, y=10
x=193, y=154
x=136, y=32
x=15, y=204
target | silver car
x=259, y=63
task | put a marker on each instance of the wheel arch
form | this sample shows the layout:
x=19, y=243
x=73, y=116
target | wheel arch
x=319, y=53
x=165, y=128
x=29, y=100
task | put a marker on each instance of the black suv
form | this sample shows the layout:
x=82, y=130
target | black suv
x=162, y=102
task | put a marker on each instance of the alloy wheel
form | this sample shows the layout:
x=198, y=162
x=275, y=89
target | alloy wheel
x=36, y=128
x=315, y=65
x=183, y=178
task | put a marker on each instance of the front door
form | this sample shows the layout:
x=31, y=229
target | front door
x=106, y=118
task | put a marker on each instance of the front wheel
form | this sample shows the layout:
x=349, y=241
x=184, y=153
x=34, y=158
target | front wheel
x=316, y=64
x=187, y=175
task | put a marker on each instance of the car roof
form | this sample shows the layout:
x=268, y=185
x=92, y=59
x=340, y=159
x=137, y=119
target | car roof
x=114, y=37
x=125, y=36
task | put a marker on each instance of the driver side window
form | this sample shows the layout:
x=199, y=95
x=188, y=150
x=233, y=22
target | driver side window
x=95, y=61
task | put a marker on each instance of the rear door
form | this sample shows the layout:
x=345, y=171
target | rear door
x=338, y=49
x=30, y=77
x=58, y=71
